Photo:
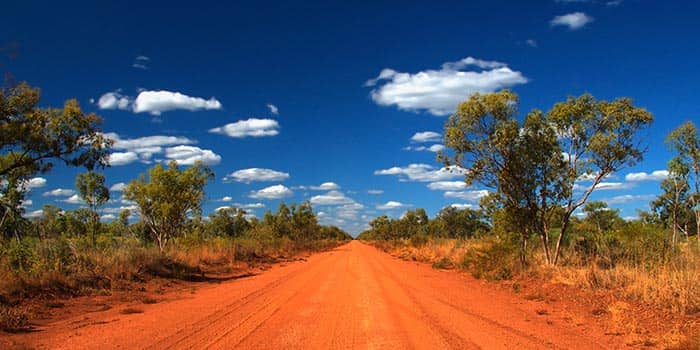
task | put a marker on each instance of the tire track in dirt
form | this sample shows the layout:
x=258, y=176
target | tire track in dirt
x=353, y=297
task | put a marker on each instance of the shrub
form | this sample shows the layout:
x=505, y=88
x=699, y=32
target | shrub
x=13, y=319
x=494, y=259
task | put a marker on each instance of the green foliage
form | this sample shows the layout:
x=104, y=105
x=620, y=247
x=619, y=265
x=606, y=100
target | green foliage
x=167, y=197
x=32, y=139
x=685, y=171
x=418, y=228
x=494, y=259
x=92, y=190
x=533, y=165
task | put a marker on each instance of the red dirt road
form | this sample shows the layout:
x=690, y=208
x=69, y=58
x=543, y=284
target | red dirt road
x=352, y=297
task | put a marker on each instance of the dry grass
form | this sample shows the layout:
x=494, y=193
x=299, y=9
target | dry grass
x=674, y=286
x=13, y=319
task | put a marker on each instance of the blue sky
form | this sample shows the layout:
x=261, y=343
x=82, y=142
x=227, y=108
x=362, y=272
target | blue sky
x=184, y=82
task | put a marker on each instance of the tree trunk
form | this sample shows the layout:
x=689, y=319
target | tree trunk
x=564, y=227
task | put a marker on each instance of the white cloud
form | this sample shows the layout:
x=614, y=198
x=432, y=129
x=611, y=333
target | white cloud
x=462, y=206
x=390, y=205
x=74, y=199
x=272, y=192
x=252, y=127
x=256, y=174
x=59, y=192
x=107, y=217
x=34, y=214
x=434, y=148
x=423, y=172
x=657, y=175
x=531, y=42
x=226, y=199
x=250, y=205
x=447, y=185
x=331, y=198
x=147, y=143
x=113, y=100
x=118, y=187
x=440, y=91
x=188, y=155
x=605, y=186
x=573, y=21
x=326, y=186
x=375, y=192
x=157, y=102
x=141, y=62
x=35, y=182
x=273, y=109
x=472, y=196
x=122, y=158
x=426, y=136
x=142, y=148
x=630, y=198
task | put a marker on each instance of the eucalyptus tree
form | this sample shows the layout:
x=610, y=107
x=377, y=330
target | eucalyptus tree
x=92, y=190
x=534, y=166
x=167, y=196
x=673, y=204
x=685, y=141
x=33, y=140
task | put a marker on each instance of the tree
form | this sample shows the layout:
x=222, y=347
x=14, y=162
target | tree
x=32, y=139
x=167, y=196
x=534, y=165
x=92, y=190
x=601, y=216
x=686, y=142
x=229, y=222
x=673, y=204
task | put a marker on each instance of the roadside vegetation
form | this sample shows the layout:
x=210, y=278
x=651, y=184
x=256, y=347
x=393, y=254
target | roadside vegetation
x=537, y=220
x=162, y=234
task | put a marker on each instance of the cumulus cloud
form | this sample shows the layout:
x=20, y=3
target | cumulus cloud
x=426, y=136
x=331, y=198
x=471, y=196
x=440, y=91
x=35, y=182
x=34, y=214
x=59, y=192
x=157, y=102
x=252, y=127
x=630, y=198
x=74, y=199
x=605, y=186
x=390, y=205
x=118, y=187
x=273, y=109
x=573, y=21
x=462, y=206
x=423, y=173
x=256, y=174
x=142, y=148
x=434, y=148
x=657, y=175
x=326, y=186
x=114, y=100
x=375, y=192
x=188, y=155
x=122, y=158
x=447, y=185
x=272, y=192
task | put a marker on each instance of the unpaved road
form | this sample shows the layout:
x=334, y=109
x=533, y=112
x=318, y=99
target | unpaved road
x=352, y=297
